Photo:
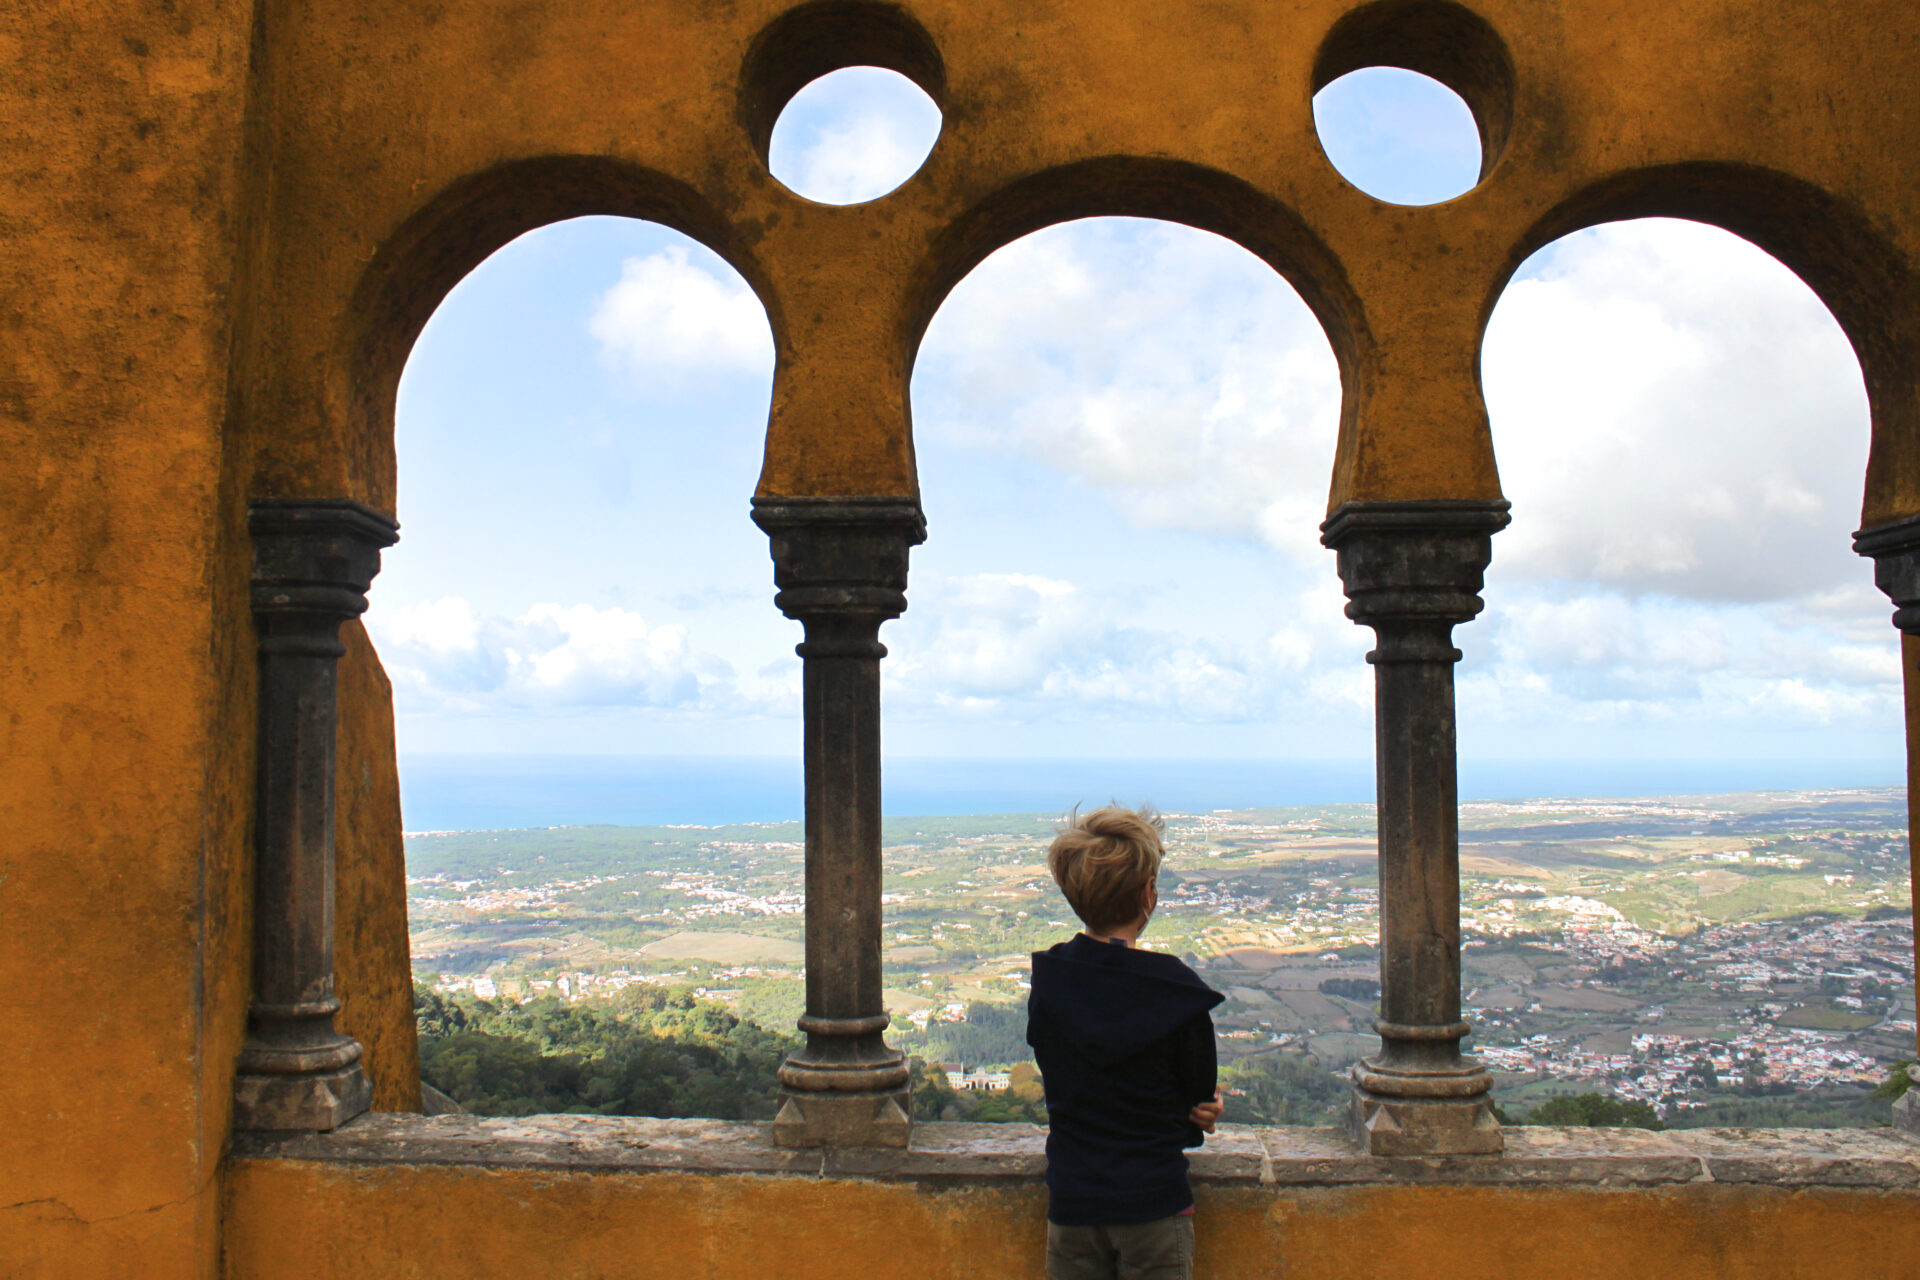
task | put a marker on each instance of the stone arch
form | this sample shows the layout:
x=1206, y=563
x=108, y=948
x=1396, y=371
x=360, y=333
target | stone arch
x=1169, y=191
x=1136, y=187
x=1867, y=284
x=451, y=234
x=405, y=281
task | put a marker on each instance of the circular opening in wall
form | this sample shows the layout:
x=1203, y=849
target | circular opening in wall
x=1399, y=136
x=853, y=135
x=1413, y=99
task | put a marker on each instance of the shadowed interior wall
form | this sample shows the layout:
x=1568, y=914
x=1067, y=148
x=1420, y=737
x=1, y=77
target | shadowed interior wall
x=374, y=972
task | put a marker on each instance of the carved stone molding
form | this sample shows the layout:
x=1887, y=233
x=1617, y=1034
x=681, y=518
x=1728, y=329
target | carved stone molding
x=1895, y=551
x=841, y=568
x=1412, y=571
x=1415, y=561
x=312, y=564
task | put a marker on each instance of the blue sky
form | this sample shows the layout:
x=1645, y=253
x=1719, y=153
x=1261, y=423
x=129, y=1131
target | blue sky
x=1124, y=432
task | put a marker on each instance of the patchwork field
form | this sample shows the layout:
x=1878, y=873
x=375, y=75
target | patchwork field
x=726, y=949
x=1769, y=933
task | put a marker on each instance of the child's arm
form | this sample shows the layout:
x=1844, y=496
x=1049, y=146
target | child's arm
x=1197, y=1067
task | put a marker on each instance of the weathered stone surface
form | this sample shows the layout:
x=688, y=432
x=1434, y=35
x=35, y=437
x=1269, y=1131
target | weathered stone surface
x=1233, y=1154
x=1597, y=1157
x=1602, y=1157
x=562, y=1142
x=1238, y=1155
x=1388, y=1126
x=320, y=1101
x=1309, y=1156
x=966, y=1151
x=1806, y=1157
x=844, y=1119
x=1905, y=1113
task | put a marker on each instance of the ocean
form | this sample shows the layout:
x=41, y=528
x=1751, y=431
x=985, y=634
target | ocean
x=469, y=793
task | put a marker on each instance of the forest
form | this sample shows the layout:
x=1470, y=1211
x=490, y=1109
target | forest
x=658, y=1051
x=655, y=1051
x=648, y=1051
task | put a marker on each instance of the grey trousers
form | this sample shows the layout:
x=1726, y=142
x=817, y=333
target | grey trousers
x=1159, y=1250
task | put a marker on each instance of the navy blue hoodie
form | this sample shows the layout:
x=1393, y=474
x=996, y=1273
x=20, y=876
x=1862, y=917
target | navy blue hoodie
x=1125, y=1048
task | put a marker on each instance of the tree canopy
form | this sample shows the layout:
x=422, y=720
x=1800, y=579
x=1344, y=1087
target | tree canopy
x=645, y=1052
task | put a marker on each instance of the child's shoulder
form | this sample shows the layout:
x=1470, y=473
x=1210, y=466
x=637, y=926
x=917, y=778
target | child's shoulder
x=1081, y=950
x=1162, y=965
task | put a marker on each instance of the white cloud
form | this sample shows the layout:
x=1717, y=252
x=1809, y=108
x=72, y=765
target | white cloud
x=853, y=135
x=1680, y=424
x=1682, y=429
x=1595, y=655
x=1398, y=135
x=1023, y=647
x=587, y=655
x=443, y=657
x=1675, y=412
x=438, y=627
x=1166, y=366
x=993, y=634
x=860, y=160
x=669, y=319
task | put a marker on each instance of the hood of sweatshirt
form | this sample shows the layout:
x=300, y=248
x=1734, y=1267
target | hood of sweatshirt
x=1109, y=1001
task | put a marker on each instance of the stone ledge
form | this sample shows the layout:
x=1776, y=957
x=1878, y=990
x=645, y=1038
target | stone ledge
x=1857, y=1159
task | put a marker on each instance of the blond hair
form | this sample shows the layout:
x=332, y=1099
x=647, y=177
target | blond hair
x=1103, y=861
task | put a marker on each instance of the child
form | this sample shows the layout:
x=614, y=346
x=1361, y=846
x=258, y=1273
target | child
x=1125, y=1048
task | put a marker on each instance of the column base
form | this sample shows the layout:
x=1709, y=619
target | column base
x=316, y=1103
x=844, y=1119
x=1384, y=1125
x=1906, y=1113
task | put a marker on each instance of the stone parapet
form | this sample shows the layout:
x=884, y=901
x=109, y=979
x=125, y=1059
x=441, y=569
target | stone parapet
x=1535, y=1156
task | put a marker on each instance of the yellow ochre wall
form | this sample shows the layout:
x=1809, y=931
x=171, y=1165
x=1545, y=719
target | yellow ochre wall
x=373, y=972
x=124, y=761
x=224, y=223
x=287, y=1218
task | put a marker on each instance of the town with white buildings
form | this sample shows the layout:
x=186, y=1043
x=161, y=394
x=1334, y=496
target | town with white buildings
x=1664, y=950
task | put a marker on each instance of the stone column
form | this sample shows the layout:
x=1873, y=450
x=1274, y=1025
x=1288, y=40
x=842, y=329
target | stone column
x=1895, y=550
x=312, y=564
x=841, y=568
x=1412, y=570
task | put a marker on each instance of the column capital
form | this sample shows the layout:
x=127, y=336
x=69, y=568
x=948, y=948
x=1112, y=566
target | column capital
x=315, y=557
x=1422, y=560
x=1894, y=549
x=841, y=556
